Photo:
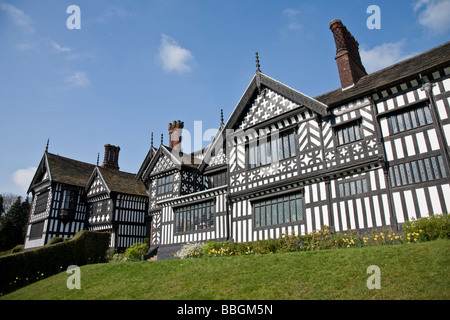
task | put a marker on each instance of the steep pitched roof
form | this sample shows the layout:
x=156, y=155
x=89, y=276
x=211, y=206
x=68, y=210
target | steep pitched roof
x=259, y=80
x=422, y=63
x=63, y=170
x=118, y=181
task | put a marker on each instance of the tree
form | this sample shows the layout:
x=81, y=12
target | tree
x=13, y=226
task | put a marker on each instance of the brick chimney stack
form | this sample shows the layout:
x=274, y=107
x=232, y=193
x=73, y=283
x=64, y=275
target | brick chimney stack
x=175, y=130
x=111, y=160
x=347, y=57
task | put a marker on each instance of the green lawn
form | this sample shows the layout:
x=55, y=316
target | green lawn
x=408, y=271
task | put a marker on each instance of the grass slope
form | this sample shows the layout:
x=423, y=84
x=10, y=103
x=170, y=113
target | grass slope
x=409, y=271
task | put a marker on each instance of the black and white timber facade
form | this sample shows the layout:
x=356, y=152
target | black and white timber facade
x=70, y=196
x=371, y=154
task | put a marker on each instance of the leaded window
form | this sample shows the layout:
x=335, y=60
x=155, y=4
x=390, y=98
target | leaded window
x=348, y=132
x=165, y=184
x=417, y=171
x=411, y=118
x=41, y=203
x=269, y=149
x=194, y=217
x=278, y=210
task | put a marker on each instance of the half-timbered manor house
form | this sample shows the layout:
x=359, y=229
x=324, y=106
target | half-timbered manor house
x=373, y=153
x=70, y=196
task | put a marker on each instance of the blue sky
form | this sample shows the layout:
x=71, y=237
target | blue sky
x=135, y=66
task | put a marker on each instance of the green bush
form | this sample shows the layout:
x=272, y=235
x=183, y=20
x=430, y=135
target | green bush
x=430, y=228
x=25, y=267
x=135, y=252
x=55, y=240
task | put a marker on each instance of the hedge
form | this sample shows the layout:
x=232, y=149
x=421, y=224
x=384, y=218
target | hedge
x=17, y=270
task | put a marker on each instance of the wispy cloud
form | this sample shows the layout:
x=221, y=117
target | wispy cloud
x=114, y=12
x=384, y=55
x=20, y=18
x=173, y=57
x=22, y=178
x=58, y=48
x=433, y=14
x=78, y=79
x=293, y=18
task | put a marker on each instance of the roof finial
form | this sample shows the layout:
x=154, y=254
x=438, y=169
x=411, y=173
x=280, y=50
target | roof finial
x=221, y=116
x=152, y=141
x=98, y=158
x=46, y=147
x=257, y=63
x=162, y=138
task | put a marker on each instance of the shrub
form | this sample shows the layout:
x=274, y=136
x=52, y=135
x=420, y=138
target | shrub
x=25, y=267
x=429, y=228
x=190, y=250
x=135, y=252
x=55, y=240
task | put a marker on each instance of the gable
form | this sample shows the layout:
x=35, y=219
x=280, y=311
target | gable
x=268, y=104
x=266, y=98
x=162, y=164
x=97, y=185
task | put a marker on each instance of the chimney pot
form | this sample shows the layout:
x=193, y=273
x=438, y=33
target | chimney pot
x=111, y=160
x=347, y=57
x=175, y=130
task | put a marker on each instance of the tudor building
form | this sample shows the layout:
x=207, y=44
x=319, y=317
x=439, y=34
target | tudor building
x=70, y=196
x=371, y=154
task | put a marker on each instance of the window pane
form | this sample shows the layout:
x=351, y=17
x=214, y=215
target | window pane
x=263, y=216
x=274, y=212
x=345, y=133
x=280, y=148
x=341, y=190
x=394, y=124
x=422, y=171
x=292, y=144
x=347, y=189
x=408, y=173
x=413, y=119
x=397, y=176
x=357, y=133
x=435, y=167
x=268, y=151
x=401, y=126
x=286, y=146
x=257, y=216
x=407, y=121
x=403, y=174
x=351, y=134
x=274, y=149
x=420, y=116
x=415, y=171
x=299, y=209
x=442, y=167
x=364, y=185
x=293, y=211
x=358, y=187
x=251, y=156
x=352, y=188
x=263, y=153
x=428, y=168
x=428, y=117
x=340, y=137
x=268, y=214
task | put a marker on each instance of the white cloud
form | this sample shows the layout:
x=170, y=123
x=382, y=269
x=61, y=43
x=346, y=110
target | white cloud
x=59, y=48
x=383, y=55
x=78, y=79
x=22, y=178
x=434, y=14
x=113, y=12
x=173, y=57
x=20, y=18
x=292, y=16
